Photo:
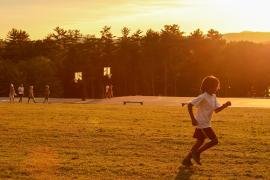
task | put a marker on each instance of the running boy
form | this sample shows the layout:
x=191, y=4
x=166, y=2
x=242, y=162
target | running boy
x=206, y=104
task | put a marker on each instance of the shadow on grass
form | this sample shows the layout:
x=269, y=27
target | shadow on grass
x=184, y=173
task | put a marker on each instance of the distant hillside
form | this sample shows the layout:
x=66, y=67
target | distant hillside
x=259, y=37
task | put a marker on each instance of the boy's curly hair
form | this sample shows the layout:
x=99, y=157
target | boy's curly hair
x=209, y=82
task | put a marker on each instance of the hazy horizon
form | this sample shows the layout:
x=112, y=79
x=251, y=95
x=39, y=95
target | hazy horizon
x=39, y=18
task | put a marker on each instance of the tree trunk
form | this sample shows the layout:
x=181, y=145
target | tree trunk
x=153, y=83
x=165, y=79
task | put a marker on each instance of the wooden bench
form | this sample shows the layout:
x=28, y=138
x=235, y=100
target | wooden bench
x=140, y=102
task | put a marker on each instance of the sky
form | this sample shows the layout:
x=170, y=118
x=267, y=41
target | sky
x=39, y=17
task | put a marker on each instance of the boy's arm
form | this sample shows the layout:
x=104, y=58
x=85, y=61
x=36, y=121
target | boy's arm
x=228, y=103
x=190, y=110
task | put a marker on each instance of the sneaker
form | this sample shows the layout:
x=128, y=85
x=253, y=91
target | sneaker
x=196, y=157
x=187, y=162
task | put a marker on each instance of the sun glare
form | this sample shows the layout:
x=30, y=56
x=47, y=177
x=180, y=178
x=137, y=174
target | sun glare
x=244, y=14
x=222, y=15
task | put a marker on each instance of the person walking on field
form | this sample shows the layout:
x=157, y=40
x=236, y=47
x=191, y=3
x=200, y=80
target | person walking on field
x=20, y=92
x=46, y=94
x=206, y=104
x=12, y=93
x=31, y=94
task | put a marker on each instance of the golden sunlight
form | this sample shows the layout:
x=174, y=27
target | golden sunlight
x=39, y=18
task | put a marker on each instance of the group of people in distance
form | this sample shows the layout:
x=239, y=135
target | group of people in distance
x=12, y=93
x=109, y=91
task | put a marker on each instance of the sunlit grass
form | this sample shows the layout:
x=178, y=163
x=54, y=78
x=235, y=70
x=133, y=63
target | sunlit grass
x=65, y=141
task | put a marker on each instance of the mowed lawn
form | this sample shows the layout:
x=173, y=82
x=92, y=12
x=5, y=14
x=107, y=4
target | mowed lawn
x=75, y=141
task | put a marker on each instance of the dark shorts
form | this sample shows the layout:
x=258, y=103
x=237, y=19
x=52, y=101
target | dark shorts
x=204, y=133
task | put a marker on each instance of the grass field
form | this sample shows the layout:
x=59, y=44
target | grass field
x=75, y=141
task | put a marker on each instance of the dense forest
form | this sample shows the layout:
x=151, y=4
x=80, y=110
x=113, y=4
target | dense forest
x=165, y=62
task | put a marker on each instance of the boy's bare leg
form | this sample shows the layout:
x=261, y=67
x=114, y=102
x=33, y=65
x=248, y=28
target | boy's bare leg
x=195, y=148
x=208, y=145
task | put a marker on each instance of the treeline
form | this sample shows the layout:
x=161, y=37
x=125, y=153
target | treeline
x=164, y=62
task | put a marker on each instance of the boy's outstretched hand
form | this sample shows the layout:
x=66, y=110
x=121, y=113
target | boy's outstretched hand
x=225, y=105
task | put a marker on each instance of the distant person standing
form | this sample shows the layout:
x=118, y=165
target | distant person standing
x=12, y=93
x=20, y=92
x=110, y=91
x=46, y=94
x=107, y=89
x=31, y=94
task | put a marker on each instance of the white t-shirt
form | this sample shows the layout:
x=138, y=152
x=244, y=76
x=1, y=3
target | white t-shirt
x=205, y=104
x=107, y=88
x=21, y=90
